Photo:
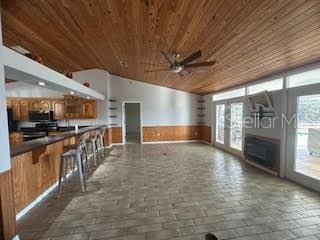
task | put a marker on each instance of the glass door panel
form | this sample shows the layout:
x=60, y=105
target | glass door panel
x=307, y=134
x=220, y=123
x=235, y=133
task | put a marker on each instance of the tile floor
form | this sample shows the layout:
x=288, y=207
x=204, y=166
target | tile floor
x=175, y=191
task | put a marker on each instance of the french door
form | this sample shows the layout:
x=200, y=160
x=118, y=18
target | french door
x=228, y=132
x=303, y=136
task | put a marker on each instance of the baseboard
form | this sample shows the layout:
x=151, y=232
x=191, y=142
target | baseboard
x=262, y=168
x=178, y=141
x=36, y=201
x=205, y=142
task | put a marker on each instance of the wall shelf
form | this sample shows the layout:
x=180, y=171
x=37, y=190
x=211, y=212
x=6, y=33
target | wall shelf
x=201, y=111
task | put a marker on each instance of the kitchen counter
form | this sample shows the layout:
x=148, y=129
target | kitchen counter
x=23, y=147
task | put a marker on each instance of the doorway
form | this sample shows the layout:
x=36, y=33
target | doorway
x=228, y=125
x=132, y=132
x=303, y=135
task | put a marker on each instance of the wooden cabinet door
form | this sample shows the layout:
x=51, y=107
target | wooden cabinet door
x=24, y=110
x=45, y=105
x=58, y=109
x=34, y=105
x=15, y=104
x=88, y=109
x=8, y=102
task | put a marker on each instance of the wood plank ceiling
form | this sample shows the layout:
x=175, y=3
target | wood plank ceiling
x=249, y=39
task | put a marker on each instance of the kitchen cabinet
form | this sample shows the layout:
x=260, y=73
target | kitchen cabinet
x=89, y=109
x=15, y=137
x=24, y=110
x=15, y=104
x=71, y=107
x=45, y=105
x=8, y=102
x=34, y=104
x=58, y=109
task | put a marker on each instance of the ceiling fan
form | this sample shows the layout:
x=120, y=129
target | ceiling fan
x=184, y=65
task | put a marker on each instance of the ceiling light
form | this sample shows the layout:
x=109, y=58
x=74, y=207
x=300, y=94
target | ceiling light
x=71, y=92
x=41, y=84
x=88, y=97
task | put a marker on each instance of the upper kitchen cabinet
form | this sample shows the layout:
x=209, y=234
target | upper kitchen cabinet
x=15, y=104
x=45, y=105
x=89, y=109
x=24, y=110
x=8, y=103
x=34, y=104
x=58, y=109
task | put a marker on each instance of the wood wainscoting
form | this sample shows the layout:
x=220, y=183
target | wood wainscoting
x=115, y=135
x=30, y=178
x=205, y=133
x=7, y=211
x=171, y=133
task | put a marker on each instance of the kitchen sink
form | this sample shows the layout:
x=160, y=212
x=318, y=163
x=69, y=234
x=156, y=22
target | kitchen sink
x=67, y=129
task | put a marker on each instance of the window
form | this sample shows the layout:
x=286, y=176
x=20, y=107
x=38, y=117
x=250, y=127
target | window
x=271, y=85
x=230, y=94
x=305, y=78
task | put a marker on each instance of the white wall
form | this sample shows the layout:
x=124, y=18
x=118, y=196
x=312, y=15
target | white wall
x=160, y=106
x=21, y=89
x=98, y=80
x=4, y=134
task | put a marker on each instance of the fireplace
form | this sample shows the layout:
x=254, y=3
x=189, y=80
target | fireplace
x=262, y=152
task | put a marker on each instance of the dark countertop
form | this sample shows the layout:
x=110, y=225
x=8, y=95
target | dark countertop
x=23, y=147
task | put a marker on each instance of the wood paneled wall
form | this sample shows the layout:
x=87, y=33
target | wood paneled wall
x=31, y=179
x=7, y=212
x=170, y=133
x=115, y=135
x=205, y=133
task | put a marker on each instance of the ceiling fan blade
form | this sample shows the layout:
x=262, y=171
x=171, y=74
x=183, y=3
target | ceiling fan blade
x=200, y=64
x=158, y=70
x=191, y=58
x=167, y=57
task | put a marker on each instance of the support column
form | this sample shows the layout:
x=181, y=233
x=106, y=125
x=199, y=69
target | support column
x=7, y=212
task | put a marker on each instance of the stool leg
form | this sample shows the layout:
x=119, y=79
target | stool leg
x=102, y=145
x=94, y=153
x=62, y=173
x=80, y=168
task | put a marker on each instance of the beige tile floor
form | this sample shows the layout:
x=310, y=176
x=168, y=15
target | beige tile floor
x=176, y=191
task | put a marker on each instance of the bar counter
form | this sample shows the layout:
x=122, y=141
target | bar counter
x=23, y=147
x=35, y=164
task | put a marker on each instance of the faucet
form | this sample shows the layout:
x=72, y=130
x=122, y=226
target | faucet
x=67, y=123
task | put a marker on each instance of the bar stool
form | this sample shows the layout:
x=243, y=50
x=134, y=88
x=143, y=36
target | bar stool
x=101, y=138
x=94, y=147
x=77, y=155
